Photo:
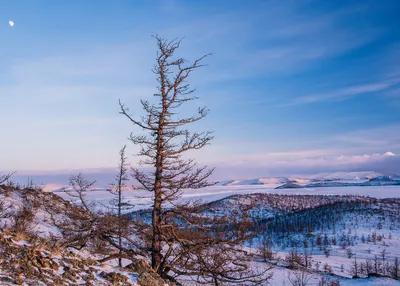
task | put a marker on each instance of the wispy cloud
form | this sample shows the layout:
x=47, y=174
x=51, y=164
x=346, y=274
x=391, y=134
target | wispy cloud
x=387, y=162
x=283, y=39
x=345, y=93
x=364, y=149
x=380, y=138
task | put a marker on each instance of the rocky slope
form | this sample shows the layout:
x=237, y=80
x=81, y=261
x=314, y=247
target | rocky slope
x=31, y=255
x=37, y=261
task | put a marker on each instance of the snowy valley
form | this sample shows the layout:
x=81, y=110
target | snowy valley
x=347, y=235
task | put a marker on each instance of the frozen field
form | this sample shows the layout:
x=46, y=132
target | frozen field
x=141, y=199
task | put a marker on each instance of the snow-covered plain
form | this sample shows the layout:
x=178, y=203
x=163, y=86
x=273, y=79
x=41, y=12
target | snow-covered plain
x=225, y=188
x=142, y=199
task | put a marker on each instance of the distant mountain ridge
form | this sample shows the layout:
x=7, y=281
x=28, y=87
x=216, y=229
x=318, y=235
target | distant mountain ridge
x=301, y=180
x=260, y=181
x=365, y=175
x=306, y=179
x=377, y=181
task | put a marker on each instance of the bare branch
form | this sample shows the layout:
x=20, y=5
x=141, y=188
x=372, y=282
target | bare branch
x=6, y=177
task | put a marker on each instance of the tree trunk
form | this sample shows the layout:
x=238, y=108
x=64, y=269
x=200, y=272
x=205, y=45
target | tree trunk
x=156, y=243
x=157, y=236
x=119, y=222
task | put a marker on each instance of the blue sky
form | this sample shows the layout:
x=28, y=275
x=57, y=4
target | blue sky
x=293, y=86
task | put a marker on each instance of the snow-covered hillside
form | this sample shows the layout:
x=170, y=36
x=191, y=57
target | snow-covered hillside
x=303, y=179
x=261, y=181
x=326, y=236
x=366, y=175
x=328, y=224
x=32, y=252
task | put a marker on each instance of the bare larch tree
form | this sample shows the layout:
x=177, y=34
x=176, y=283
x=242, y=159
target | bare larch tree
x=181, y=240
x=165, y=142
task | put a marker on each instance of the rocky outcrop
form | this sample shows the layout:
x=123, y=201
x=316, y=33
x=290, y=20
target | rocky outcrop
x=36, y=261
x=147, y=276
